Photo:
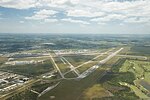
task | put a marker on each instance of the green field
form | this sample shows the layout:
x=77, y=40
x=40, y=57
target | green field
x=137, y=91
x=76, y=60
x=72, y=89
x=141, y=70
x=33, y=58
x=80, y=89
x=3, y=60
x=63, y=67
x=30, y=69
x=140, y=50
x=87, y=66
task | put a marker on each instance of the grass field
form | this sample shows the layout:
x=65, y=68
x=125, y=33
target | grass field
x=30, y=69
x=76, y=60
x=33, y=58
x=72, y=89
x=79, y=89
x=3, y=60
x=96, y=92
x=87, y=66
x=137, y=91
x=141, y=70
x=63, y=67
x=140, y=50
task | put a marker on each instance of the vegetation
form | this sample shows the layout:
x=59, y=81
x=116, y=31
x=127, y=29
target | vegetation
x=3, y=60
x=74, y=88
x=30, y=69
x=96, y=92
x=25, y=95
x=111, y=82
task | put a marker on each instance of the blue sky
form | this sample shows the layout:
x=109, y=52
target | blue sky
x=75, y=16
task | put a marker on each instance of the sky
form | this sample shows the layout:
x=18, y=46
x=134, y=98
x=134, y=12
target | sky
x=75, y=16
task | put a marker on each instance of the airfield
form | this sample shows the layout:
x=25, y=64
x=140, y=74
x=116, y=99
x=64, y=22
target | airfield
x=75, y=74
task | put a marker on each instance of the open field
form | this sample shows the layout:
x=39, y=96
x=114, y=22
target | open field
x=74, y=88
x=63, y=66
x=87, y=66
x=141, y=70
x=67, y=57
x=78, y=88
x=3, y=60
x=111, y=82
x=137, y=91
x=33, y=58
x=30, y=69
x=96, y=92
x=76, y=60
x=140, y=50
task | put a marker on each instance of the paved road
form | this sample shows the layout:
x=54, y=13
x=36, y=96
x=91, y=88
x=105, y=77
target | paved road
x=110, y=56
x=63, y=60
x=48, y=89
x=72, y=67
x=18, y=90
x=57, y=67
x=93, y=68
x=90, y=60
x=132, y=56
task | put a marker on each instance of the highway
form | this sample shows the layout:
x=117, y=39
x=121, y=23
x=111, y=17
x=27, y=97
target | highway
x=19, y=89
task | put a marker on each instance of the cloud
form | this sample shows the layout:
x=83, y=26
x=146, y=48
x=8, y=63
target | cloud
x=18, y=4
x=99, y=11
x=83, y=13
x=21, y=21
x=108, y=18
x=137, y=20
x=75, y=21
x=42, y=14
x=51, y=20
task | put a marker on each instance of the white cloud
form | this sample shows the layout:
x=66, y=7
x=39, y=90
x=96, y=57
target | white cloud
x=98, y=10
x=42, y=14
x=18, y=4
x=108, y=18
x=83, y=13
x=137, y=20
x=50, y=20
x=21, y=21
x=75, y=21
